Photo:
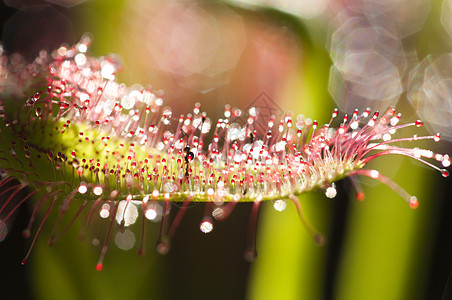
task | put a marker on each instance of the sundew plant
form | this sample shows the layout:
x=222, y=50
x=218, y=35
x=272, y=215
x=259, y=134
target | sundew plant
x=86, y=140
x=77, y=146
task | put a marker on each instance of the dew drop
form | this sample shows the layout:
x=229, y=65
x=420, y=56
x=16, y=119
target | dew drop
x=437, y=137
x=234, y=132
x=386, y=137
x=236, y=112
x=354, y=125
x=253, y=111
x=446, y=161
x=197, y=107
x=206, y=126
x=334, y=114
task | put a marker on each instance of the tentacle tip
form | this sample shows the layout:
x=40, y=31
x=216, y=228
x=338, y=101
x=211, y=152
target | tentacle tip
x=250, y=255
x=141, y=252
x=413, y=202
x=24, y=261
x=26, y=233
x=361, y=196
x=163, y=248
x=99, y=267
x=320, y=239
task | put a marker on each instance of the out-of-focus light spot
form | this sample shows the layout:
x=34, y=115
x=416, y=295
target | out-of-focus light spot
x=108, y=107
x=430, y=93
x=154, y=211
x=253, y=111
x=104, y=213
x=368, y=66
x=199, y=49
x=128, y=101
x=107, y=70
x=126, y=212
x=400, y=18
x=170, y=187
x=80, y=60
x=97, y=190
x=374, y=174
x=446, y=161
x=218, y=213
x=331, y=191
x=279, y=205
x=82, y=189
x=151, y=214
x=234, y=132
x=125, y=240
x=206, y=226
x=83, y=97
x=82, y=48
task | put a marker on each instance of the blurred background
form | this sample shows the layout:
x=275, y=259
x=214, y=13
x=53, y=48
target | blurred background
x=304, y=56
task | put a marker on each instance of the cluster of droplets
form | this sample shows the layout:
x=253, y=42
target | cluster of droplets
x=117, y=148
